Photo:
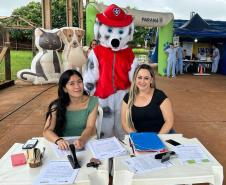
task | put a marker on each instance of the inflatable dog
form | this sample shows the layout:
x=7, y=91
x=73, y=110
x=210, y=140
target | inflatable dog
x=73, y=55
x=110, y=66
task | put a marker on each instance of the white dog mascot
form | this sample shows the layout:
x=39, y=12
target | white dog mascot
x=110, y=66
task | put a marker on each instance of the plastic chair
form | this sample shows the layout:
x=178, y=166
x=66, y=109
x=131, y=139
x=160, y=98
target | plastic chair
x=99, y=122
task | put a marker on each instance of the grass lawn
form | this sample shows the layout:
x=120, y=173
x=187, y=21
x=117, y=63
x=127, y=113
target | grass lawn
x=19, y=60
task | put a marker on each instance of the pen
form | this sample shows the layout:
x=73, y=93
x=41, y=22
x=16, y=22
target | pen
x=121, y=141
x=130, y=143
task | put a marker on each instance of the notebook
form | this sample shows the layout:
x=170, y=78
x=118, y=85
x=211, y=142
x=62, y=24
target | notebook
x=18, y=159
x=146, y=141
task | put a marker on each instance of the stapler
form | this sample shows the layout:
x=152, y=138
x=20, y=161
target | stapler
x=165, y=156
x=73, y=158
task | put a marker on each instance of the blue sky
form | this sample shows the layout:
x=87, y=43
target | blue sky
x=207, y=9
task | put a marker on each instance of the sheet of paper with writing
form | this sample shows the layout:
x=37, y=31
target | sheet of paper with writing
x=145, y=163
x=106, y=148
x=63, y=153
x=191, y=153
x=57, y=172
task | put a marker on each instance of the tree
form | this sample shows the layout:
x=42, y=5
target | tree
x=33, y=12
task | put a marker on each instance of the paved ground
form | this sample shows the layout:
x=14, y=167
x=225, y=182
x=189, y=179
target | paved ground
x=199, y=105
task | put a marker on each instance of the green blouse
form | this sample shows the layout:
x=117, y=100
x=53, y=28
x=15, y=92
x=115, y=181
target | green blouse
x=76, y=120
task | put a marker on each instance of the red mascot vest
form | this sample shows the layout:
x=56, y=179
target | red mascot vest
x=114, y=67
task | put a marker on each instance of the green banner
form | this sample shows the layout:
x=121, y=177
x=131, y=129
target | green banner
x=165, y=35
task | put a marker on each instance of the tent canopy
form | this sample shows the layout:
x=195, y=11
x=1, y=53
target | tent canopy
x=199, y=28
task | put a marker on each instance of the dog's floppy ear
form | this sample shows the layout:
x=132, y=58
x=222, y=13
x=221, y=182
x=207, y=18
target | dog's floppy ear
x=79, y=33
x=62, y=34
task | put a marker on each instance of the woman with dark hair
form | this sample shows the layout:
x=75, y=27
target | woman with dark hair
x=145, y=108
x=73, y=113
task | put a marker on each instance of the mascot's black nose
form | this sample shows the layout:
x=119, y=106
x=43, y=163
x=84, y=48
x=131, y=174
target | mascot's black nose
x=115, y=43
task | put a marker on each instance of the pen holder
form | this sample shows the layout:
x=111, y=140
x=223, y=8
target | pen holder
x=34, y=157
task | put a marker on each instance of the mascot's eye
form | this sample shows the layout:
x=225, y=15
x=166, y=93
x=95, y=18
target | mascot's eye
x=110, y=30
x=120, y=32
x=70, y=35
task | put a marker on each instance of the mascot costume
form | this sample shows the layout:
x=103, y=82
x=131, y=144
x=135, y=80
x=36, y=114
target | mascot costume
x=110, y=66
x=46, y=65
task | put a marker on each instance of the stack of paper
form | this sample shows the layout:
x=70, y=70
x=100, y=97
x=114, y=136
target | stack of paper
x=145, y=163
x=146, y=141
x=106, y=148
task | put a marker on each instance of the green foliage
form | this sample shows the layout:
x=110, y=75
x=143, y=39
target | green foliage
x=140, y=51
x=19, y=60
x=33, y=13
x=30, y=12
x=59, y=13
x=139, y=35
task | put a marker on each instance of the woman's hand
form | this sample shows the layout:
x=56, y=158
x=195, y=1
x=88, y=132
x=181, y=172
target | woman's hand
x=79, y=143
x=62, y=144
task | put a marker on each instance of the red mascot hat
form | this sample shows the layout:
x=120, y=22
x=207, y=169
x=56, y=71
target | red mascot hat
x=114, y=16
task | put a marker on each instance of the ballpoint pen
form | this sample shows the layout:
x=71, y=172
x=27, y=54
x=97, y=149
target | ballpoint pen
x=131, y=145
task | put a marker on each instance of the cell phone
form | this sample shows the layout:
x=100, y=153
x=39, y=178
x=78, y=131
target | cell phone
x=172, y=142
x=31, y=143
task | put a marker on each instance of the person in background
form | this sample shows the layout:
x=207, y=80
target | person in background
x=179, y=59
x=202, y=54
x=73, y=113
x=171, y=61
x=92, y=45
x=146, y=108
x=215, y=59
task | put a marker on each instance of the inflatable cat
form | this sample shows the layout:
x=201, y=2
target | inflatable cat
x=46, y=65
x=110, y=66
x=74, y=57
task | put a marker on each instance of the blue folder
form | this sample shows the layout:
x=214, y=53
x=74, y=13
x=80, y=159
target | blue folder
x=146, y=141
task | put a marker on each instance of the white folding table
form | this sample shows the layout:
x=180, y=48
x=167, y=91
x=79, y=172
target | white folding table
x=209, y=172
x=24, y=175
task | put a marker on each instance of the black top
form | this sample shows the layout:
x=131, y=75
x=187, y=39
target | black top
x=148, y=118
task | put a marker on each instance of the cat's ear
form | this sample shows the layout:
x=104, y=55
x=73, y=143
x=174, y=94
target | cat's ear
x=39, y=32
x=79, y=33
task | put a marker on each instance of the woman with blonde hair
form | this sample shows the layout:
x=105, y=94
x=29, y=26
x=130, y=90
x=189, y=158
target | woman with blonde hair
x=146, y=108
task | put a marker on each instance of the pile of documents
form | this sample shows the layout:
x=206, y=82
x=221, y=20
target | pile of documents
x=146, y=141
x=145, y=163
x=106, y=148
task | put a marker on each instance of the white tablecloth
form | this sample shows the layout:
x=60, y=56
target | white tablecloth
x=210, y=172
x=24, y=175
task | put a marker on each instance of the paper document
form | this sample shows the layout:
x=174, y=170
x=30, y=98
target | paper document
x=145, y=163
x=106, y=148
x=63, y=153
x=191, y=153
x=57, y=172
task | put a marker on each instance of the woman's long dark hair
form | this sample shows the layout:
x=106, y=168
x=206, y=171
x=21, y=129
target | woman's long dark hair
x=60, y=105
